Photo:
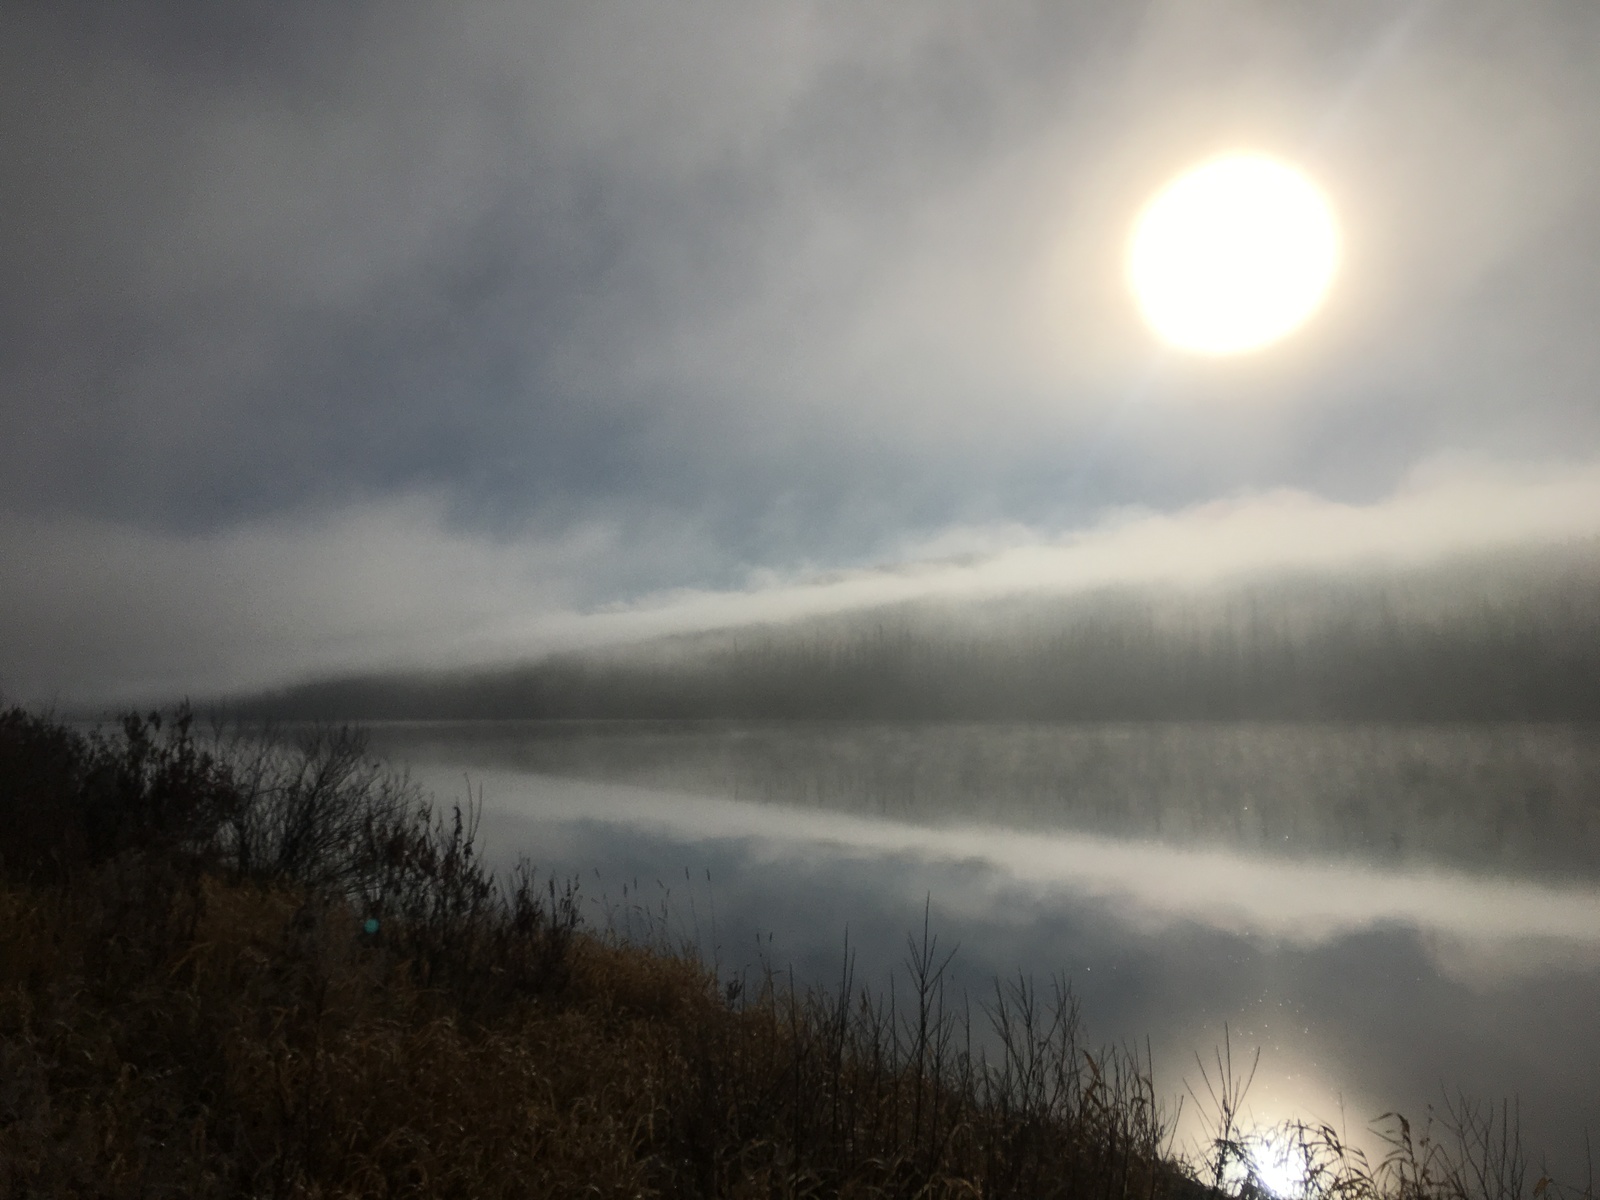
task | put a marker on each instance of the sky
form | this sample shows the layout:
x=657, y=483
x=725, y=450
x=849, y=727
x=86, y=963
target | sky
x=411, y=333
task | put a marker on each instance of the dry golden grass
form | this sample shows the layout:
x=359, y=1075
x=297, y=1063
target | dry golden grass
x=273, y=1054
x=250, y=1041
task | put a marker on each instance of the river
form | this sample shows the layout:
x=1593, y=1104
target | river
x=1393, y=915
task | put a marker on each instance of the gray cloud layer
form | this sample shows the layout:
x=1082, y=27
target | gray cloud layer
x=661, y=296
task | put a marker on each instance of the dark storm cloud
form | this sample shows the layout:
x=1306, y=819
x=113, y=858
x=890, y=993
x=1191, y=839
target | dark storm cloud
x=764, y=287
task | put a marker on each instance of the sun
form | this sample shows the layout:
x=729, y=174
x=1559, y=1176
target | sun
x=1233, y=255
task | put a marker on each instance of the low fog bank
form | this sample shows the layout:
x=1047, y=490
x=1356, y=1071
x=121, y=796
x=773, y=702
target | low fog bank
x=1507, y=636
x=106, y=614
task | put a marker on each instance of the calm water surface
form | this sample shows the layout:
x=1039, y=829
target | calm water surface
x=1390, y=913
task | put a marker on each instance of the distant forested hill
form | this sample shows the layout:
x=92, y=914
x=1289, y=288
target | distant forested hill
x=1516, y=636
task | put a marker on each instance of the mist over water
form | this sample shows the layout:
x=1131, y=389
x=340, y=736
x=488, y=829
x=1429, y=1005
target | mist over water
x=1389, y=911
x=1349, y=816
x=1494, y=799
x=1504, y=636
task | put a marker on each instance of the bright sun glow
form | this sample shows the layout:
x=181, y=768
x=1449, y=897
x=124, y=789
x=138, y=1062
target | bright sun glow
x=1233, y=255
x=1280, y=1170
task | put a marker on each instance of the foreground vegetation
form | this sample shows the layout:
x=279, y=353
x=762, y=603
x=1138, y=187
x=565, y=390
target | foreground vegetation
x=250, y=967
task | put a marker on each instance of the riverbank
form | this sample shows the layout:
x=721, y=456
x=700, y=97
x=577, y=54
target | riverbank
x=244, y=967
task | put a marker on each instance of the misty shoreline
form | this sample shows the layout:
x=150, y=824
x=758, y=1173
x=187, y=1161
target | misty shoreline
x=1508, y=637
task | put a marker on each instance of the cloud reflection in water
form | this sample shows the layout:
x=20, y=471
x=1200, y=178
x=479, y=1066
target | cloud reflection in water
x=1367, y=989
